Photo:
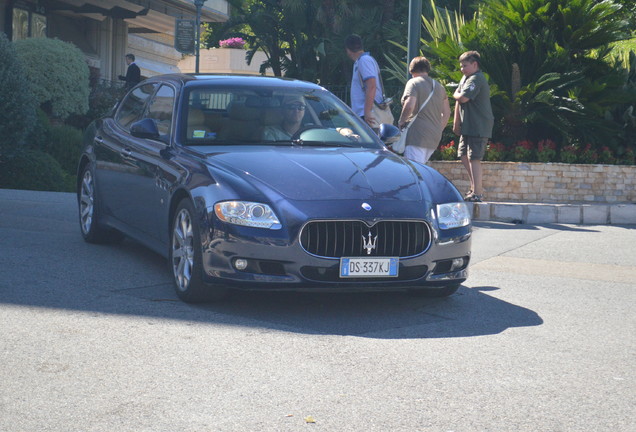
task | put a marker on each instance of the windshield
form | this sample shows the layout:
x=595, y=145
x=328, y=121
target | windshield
x=278, y=116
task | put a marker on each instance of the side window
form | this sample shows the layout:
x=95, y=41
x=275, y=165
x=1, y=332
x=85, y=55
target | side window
x=160, y=109
x=132, y=107
x=208, y=115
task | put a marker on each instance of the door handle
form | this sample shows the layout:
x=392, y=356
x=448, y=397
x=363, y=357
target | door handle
x=126, y=153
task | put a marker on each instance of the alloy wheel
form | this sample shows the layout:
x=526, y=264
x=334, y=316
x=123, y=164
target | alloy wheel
x=87, y=206
x=182, y=250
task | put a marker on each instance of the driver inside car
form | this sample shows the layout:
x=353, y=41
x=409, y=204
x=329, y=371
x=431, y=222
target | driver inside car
x=293, y=110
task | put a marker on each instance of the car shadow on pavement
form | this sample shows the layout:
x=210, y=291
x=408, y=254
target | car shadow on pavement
x=47, y=265
x=383, y=315
x=129, y=280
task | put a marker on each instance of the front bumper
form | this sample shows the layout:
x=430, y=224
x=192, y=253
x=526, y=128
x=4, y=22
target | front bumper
x=275, y=263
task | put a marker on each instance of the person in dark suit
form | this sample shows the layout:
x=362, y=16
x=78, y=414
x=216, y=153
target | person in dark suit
x=133, y=74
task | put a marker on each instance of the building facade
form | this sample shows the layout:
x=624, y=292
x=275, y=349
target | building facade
x=106, y=30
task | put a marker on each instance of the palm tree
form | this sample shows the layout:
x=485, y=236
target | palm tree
x=549, y=64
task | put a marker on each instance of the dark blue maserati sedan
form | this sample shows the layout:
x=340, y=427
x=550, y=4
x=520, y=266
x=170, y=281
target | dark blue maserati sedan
x=250, y=182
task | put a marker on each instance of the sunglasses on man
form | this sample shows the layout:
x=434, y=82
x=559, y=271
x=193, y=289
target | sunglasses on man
x=297, y=107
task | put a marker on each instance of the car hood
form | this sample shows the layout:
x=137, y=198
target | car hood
x=325, y=173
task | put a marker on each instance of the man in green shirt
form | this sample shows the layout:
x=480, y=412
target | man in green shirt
x=473, y=120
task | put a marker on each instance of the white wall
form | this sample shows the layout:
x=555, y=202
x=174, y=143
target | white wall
x=224, y=60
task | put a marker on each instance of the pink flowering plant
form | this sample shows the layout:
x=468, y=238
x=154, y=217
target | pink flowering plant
x=235, y=42
x=546, y=151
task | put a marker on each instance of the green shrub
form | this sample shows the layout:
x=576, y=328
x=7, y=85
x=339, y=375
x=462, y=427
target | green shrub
x=546, y=151
x=524, y=151
x=65, y=145
x=606, y=156
x=58, y=74
x=38, y=137
x=626, y=156
x=448, y=151
x=17, y=109
x=34, y=170
x=495, y=151
x=588, y=155
x=102, y=99
x=569, y=154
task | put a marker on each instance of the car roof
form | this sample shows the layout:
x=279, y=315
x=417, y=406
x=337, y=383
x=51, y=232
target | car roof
x=196, y=80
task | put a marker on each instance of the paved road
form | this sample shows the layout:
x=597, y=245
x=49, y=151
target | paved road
x=92, y=338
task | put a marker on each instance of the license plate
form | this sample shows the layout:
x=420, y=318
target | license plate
x=368, y=267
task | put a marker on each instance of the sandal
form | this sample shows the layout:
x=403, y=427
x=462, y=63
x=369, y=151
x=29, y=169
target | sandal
x=469, y=194
x=474, y=198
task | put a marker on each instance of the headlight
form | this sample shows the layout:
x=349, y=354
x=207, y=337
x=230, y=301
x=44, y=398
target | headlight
x=247, y=213
x=453, y=215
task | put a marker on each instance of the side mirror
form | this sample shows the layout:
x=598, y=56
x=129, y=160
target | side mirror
x=146, y=128
x=389, y=133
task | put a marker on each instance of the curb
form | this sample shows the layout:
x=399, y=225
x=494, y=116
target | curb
x=540, y=213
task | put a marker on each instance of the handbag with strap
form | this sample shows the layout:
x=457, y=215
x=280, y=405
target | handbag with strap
x=383, y=115
x=400, y=145
x=381, y=110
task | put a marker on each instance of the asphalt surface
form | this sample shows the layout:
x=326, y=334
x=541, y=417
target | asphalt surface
x=541, y=337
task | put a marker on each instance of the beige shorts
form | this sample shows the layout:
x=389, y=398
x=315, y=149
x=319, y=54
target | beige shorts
x=476, y=147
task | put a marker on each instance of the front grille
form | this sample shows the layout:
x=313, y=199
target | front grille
x=336, y=239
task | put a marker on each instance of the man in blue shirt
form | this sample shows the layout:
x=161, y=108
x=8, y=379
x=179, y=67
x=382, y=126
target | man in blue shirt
x=366, y=86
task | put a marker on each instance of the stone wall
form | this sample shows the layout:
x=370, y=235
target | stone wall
x=548, y=182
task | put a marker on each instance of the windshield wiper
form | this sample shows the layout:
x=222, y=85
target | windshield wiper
x=307, y=143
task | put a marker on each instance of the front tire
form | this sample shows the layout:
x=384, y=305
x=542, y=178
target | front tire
x=186, y=258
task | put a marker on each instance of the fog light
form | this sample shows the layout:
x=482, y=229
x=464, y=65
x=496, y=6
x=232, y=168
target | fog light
x=457, y=263
x=240, y=264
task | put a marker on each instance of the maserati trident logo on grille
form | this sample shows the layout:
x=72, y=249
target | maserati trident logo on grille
x=369, y=244
x=366, y=206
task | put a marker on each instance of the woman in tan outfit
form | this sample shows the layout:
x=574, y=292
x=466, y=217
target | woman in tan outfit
x=426, y=131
